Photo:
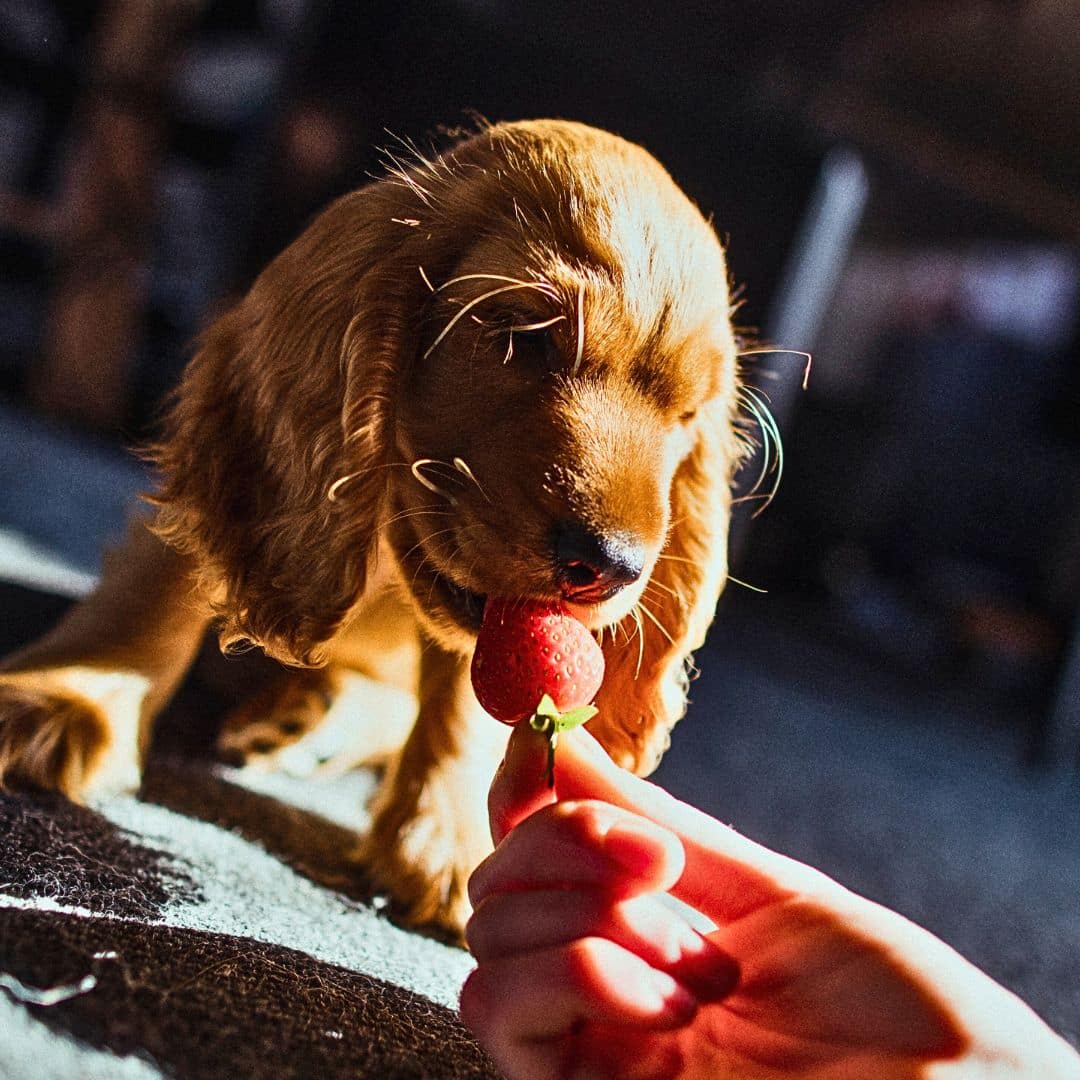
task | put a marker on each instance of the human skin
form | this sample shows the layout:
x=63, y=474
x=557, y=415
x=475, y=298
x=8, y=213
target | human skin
x=583, y=971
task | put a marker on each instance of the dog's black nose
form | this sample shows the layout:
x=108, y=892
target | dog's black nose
x=591, y=567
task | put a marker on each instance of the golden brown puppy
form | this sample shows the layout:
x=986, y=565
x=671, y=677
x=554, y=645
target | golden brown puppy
x=507, y=371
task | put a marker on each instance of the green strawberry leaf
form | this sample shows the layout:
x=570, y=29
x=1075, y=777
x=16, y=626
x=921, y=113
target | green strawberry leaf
x=548, y=721
x=575, y=718
x=547, y=708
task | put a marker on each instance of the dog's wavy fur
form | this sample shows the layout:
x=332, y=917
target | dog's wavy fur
x=366, y=426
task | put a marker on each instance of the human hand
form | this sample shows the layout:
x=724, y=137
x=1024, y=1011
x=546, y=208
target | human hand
x=584, y=971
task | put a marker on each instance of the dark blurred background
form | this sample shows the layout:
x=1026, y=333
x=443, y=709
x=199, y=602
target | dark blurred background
x=898, y=184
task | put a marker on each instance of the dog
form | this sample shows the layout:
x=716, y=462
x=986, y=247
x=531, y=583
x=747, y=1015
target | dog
x=506, y=370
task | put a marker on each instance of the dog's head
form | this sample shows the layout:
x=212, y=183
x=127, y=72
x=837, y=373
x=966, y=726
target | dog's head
x=514, y=363
x=570, y=350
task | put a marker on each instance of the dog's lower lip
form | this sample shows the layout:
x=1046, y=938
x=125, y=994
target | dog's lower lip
x=468, y=603
x=593, y=596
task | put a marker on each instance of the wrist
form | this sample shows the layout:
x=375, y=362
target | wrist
x=1021, y=1046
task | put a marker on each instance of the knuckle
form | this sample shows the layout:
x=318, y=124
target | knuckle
x=473, y=1002
x=583, y=822
x=478, y=930
x=642, y=920
x=585, y=958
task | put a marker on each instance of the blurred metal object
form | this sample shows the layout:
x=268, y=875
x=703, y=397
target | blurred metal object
x=819, y=252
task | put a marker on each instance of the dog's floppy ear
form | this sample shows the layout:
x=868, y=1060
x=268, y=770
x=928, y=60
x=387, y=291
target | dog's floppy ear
x=647, y=667
x=272, y=460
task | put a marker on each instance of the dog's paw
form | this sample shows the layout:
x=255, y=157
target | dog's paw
x=324, y=722
x=282, y=714
x=423, y=853
x=72, y=730
x=424, y=890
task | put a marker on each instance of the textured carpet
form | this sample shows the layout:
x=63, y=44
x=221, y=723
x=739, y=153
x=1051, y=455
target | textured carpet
x=209, y=928
x=136, y=939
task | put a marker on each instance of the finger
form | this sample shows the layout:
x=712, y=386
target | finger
x=550, y=992
x=726, y=876
x=520, y=786
x=508, y=924
x=582, y=843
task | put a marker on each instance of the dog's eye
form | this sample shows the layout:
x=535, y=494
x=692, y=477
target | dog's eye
x=533, y=347
x=687, y=416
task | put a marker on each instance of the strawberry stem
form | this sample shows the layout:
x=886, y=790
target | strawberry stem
x=548, y=721
x=544, y=724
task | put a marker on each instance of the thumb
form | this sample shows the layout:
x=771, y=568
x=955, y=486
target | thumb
x=726, y=876
x=520, y=786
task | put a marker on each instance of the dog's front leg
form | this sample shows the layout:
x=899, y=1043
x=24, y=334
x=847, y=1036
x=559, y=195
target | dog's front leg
x=76, y=705
x=430, y=826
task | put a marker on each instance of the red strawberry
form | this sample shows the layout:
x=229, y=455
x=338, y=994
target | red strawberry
x=530, y=648
x=534, y=659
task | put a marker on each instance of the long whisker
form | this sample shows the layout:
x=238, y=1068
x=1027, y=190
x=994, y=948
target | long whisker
x=758, y=402
x=747, y=585
x=341, y=481
x=337, y=485
x=452, y=470
x=752, y=407
x=420, y=566
x=468, y=535
x=677, y=558
x=655, y=621
x=794, y=352
x=580, y=326
x=463, y=468
x=636, y=615
x=752, y=496
x=772, y=446
x=453, y=556
x=415, y=468
x=654, y=584
x=419, y=511
x=424, y=540
x=778, y=455
x=537, y=325
x=762, y=409
x=542, y=286
x=472, y=303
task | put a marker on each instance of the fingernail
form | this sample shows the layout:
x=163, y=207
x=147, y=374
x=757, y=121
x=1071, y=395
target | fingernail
x=634, y=852
x=672, y=997
x=709, y=972
x=524, y=748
